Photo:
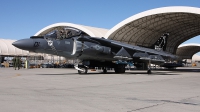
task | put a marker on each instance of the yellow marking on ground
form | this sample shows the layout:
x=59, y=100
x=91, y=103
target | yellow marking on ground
x=17, y=75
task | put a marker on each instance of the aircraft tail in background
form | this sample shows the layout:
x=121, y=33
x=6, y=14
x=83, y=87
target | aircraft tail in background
x=161, y=43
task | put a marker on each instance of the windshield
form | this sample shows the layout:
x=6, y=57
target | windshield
x=52, y=34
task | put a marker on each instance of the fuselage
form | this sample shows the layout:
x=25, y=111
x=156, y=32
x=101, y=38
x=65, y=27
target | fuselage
x=69, y=48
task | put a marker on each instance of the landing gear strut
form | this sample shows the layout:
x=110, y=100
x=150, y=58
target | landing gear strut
x=149, y=67
x=81, y=69
x=149, y=71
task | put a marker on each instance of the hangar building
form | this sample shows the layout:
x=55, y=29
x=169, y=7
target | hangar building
x=145, y=28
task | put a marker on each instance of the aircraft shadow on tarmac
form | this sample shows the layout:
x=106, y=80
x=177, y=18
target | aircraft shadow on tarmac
x=166, y=73
x=153, y=73
x=127, y=73
x=89, y=73
x=187, y=70
x=135, y=72
x=56, y=74
x=78, y=74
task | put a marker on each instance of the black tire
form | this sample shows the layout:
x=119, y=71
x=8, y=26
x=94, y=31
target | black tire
x=149, y=71
x=120, y=69
x=104, y=70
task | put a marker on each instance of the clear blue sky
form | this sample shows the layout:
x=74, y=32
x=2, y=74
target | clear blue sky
x=23, y=18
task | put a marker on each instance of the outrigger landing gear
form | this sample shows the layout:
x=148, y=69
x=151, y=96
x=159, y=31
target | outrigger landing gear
x=149, y=68
x=149, y=71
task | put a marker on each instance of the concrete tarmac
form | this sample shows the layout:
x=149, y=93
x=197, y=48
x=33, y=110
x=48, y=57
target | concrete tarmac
x=63, y=90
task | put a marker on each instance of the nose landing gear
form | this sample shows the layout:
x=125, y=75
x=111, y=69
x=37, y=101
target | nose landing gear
x=83, y=70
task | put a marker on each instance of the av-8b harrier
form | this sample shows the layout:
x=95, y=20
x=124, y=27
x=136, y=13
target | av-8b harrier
x=94, y=51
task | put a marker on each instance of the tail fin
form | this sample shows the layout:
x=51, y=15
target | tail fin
x=161, y=43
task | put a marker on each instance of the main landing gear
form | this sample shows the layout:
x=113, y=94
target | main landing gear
x=104, y=70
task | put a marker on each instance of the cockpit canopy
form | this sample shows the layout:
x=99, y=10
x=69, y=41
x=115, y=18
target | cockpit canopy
x=64, y=33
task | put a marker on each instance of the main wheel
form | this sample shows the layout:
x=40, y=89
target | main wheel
x=104, y=70
x=120, y=69
x=148, y=71
x=85, y=70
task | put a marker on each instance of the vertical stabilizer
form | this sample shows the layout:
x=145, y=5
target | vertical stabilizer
x=161, y=43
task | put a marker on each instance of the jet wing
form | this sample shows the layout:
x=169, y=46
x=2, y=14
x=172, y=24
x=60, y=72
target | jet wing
x=127, y=51
x=143, y=49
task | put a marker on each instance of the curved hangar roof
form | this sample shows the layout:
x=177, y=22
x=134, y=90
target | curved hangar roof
x=6, y=48
x=145, y=28
x=186, y=51
x=91, y=31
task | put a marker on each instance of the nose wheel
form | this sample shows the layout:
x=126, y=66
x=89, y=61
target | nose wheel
x=83, y=70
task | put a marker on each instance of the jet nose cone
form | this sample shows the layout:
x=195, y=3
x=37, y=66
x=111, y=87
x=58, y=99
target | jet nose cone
x=25, y=44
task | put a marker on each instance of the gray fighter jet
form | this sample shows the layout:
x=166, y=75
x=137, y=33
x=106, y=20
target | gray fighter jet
x=93, y=52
